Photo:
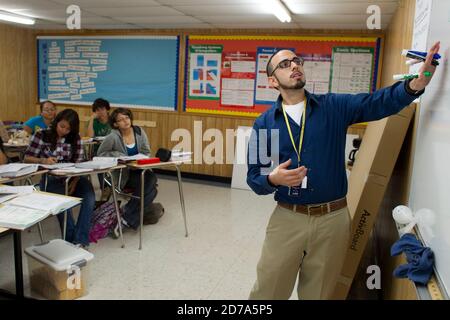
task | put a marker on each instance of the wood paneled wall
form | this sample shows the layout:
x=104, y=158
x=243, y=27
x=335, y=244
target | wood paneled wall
x=17, y=72
x=398, y=37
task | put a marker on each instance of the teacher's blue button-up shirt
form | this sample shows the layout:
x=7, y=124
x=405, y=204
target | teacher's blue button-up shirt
x=323, y=153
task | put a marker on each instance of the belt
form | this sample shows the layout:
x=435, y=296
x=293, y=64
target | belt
x=316, y=209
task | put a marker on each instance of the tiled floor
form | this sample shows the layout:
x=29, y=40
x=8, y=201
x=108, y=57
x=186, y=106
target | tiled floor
x=217, y=261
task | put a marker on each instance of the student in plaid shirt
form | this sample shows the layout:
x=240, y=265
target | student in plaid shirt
x=61, y=142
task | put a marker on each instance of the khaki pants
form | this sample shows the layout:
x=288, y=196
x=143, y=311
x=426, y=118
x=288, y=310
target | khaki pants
x=312, y=247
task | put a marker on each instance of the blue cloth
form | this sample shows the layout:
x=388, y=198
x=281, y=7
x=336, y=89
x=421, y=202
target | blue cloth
x=132, y=151
x=327, y=119
x=36, y=123
x=420, y=259
x=77, y=233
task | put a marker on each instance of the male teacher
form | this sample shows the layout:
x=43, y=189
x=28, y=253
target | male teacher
x=309, y=229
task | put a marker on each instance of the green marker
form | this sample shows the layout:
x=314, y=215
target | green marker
x=410, y=76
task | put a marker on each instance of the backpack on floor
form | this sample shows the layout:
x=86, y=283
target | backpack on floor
x=103, y=220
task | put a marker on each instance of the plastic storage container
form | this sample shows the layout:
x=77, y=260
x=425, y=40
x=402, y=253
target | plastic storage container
x=58, y=270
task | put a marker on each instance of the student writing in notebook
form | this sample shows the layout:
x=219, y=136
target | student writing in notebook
x=128, y=140
x=62, y=143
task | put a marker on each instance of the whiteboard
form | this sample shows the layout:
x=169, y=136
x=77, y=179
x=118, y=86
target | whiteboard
x=430, y=185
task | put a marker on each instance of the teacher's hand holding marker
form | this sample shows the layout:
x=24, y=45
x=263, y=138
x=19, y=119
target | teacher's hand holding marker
x=423, y=77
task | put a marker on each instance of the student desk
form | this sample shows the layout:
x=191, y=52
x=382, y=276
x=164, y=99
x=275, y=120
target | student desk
x=27, y=178
x=144, y=168
x=107, y=171
x=18, y=266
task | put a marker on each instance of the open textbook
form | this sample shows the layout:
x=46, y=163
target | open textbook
x=12, y=170
x=57, y=165
x=9, y=192
x=26, y=210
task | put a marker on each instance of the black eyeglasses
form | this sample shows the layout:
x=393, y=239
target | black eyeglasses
x=286, y=63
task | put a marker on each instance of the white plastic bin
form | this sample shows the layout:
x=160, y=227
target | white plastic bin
x=58, y=270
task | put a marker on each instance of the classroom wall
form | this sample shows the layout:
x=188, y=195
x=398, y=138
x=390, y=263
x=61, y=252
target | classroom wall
x=18, y=72
x=166, y=122
x=398, y=37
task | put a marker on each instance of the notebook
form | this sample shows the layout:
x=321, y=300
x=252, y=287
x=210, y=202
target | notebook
x=20, y=218
x=12, y=170
x=47, y=202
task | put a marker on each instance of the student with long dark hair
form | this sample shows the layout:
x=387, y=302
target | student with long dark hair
x=62, y=143
x=126, y=139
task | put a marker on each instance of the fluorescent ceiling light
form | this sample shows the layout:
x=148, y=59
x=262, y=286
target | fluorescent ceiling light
x=11, y=17
x=279, y=10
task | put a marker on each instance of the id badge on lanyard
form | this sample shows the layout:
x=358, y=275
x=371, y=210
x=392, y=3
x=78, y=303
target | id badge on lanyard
x=294, y=191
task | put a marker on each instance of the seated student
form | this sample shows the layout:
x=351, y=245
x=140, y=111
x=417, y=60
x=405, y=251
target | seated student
x=127, y=140
x=48, y=113
x=4, y=132
x=98, y=125
x=62, y=143
x=3, y=157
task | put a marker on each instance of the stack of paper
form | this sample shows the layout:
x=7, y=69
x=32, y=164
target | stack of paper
x=67, y=170
x=138, y=156
x=180, y=156
x=57, y=165
x=98, y=163
x=12, y=170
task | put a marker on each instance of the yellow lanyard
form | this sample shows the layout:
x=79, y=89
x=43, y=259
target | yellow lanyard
x=301, y=133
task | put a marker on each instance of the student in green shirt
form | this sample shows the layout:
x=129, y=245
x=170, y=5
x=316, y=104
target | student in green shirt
x=98, y=125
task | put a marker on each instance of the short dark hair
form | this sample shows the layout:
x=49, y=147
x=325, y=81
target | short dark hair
x=100, y=103
x=115, y=114
x=269, y=66
x=44, y=102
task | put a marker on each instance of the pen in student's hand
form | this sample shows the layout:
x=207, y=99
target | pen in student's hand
x=410, y=76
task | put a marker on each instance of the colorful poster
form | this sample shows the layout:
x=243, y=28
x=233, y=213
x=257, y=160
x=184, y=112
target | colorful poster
x=352, y=70
x=317, y=70
x=238, y=79
x=243, y=88
x=204, y=75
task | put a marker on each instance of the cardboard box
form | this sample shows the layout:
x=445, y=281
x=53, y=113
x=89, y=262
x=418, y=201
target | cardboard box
x=368, y=181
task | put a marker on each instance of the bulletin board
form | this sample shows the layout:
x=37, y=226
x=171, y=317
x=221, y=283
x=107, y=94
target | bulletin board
x=128, y=71
x=227, y=74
